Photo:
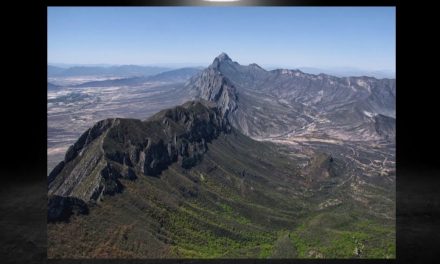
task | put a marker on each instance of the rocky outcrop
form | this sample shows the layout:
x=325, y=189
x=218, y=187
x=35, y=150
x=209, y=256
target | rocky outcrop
x=87, y=137
x=116, y=149
x=213, y=86
x=179, y=135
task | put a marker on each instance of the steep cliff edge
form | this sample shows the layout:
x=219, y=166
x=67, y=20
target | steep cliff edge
x=124, y=148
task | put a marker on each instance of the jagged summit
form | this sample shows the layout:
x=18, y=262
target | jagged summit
x=212, y=85
x=223, y=57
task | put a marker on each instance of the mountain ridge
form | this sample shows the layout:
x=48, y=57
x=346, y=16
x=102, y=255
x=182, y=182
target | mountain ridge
x=116, y=148
x=177, y=75
x=301, y=99
x=121, y=70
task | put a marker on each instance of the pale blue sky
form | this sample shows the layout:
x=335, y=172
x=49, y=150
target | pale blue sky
x=359, y=37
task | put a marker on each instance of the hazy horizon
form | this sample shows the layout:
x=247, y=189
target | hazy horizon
x=337, y=71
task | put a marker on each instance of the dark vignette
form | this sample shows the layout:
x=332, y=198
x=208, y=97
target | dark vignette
x=23, y=170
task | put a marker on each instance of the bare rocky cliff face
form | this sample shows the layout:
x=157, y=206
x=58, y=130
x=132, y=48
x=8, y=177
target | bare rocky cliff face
x=282, y=103
x=213, y=86
x=123, y=148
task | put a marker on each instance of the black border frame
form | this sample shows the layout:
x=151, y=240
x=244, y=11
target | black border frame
x=26, y=159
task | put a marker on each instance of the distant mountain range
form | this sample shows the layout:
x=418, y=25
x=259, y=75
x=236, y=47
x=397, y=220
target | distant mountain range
x=347, y=71
x=120, y=71
x=137, y=70
x=178, y=75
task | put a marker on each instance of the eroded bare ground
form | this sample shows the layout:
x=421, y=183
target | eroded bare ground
x=72, y=110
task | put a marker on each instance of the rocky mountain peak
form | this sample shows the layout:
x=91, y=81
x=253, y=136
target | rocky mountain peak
x=214, y=86
x=223, y=57
x=290, y=97
x=115, y=149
